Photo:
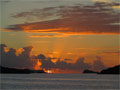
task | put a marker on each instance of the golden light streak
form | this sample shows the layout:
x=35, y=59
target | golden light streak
x=37, y=66
x=69, y=53
x=64, y=71
x=6, y=30
x=117, y=7
x=44, y=30
x=65, y=33
x=89, y=33
x=36, y=36
x=59, y=47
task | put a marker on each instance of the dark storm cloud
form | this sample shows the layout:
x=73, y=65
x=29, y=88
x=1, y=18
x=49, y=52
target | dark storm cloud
x=67, y=59
x=10, y=59
x=63, y=64
x=97, y=18
x=78, y=65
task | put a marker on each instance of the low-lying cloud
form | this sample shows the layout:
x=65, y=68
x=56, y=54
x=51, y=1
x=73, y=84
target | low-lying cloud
x=22, y=58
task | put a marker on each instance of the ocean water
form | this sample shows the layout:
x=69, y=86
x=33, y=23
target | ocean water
x=59, y=82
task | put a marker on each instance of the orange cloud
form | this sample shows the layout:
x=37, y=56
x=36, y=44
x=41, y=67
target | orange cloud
x=26, y=60
x=116, y=53
x=19, y=51
x=37, y=66
x=118, y=7
x=35, y=36
x=69, y=53
x=103, y=48
x=80, y=19
x=43, y=30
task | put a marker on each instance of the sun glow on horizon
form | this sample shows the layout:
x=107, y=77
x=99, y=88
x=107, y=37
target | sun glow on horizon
x=49, y=71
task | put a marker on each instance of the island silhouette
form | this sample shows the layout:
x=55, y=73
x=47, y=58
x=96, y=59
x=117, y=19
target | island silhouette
x=6, y=70
x=111, y=70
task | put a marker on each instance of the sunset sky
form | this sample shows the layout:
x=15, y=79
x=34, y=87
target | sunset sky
x=63, y=29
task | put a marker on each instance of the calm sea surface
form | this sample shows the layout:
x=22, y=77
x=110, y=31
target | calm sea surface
x=59, y=82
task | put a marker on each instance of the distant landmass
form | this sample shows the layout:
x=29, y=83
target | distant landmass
x=112, y=70
x=6, y=70
x=89, y=71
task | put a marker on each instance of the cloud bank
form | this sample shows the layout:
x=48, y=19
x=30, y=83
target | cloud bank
x=24, y=59
x=99, y=18
x=11, y=59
